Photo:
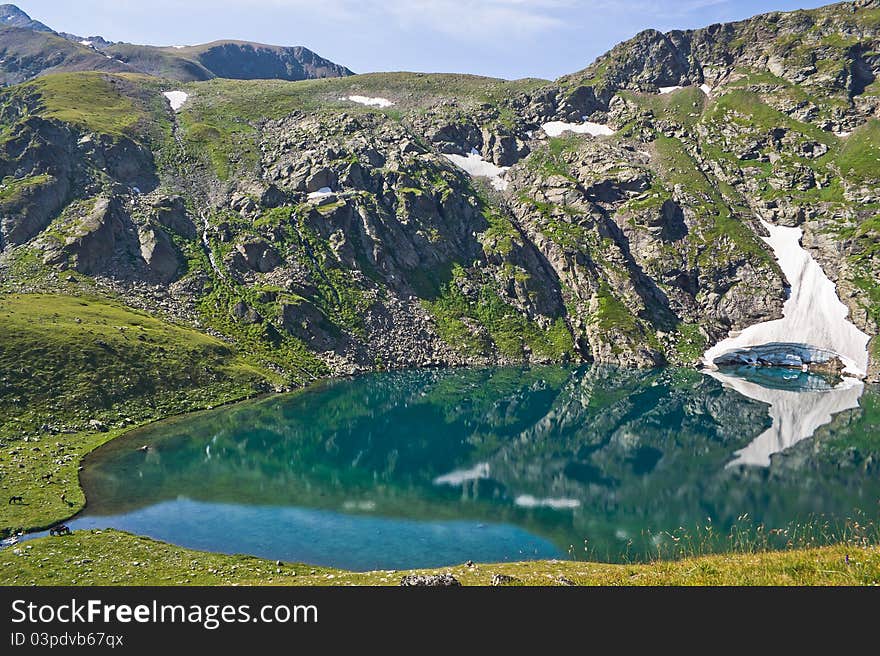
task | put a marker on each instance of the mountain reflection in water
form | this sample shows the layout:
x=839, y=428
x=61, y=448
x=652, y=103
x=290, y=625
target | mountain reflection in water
x=799, y=404
x=428, y=468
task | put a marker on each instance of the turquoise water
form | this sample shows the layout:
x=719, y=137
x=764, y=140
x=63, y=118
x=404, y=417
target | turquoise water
x=431, y=468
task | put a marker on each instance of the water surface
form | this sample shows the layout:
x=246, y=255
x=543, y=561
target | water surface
x=431, y=468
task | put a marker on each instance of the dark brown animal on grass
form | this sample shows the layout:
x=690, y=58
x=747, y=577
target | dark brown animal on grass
x=59, y=529
x=18, y=500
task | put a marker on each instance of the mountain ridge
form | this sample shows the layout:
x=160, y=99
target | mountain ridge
x=34, y=50
x=392, y=220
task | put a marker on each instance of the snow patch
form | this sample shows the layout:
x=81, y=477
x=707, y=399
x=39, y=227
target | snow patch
x=321, y=193
x=476, y=166
x=670, y=89
x=796, y=414
x=705, y=88
x=87, y=43
x=528, y=501
x=556, y=128
x=813, y=315
x=176, y=98
x=180, y=47
x=369, y=101
x=461, y=476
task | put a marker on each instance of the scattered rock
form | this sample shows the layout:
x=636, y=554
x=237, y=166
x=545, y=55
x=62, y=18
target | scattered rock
x=504, y=579
x=430, y=580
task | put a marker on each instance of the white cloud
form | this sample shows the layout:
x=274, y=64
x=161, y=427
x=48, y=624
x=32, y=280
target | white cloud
x=462, y=18
x=655, y=8
x=472, y=17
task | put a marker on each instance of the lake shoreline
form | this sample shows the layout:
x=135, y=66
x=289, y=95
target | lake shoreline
x=89, y=558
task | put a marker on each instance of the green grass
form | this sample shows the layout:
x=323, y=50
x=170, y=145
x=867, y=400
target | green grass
x=503, y=326
x=501, y=236
x=677, y=167
x=115, y=558
x=551, y=159
x=611, y=313
x=683, y=106
x=690, y=344
x=221, y=116
x=749, y=109
x=88, y=100
x=65, y=361
x=11, y=188
x=274, y=349
x=859, y=158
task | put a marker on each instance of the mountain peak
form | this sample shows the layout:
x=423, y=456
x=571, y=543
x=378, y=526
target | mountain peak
x=12, y=16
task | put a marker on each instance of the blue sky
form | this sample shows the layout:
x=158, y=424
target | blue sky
x=503, y=38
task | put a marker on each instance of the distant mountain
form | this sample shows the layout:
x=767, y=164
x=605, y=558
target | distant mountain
x=25, y=54
x=12, y=16
x=239, y=60
x=28, y=48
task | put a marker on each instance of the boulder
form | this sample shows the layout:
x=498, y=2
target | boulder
x=257, y=255
x=273, y=197
x=93, y=242
x=320, y=178
x=159, y=253
x=429, y=580
x=170, y=213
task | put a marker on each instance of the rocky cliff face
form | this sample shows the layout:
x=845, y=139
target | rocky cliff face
x=321, y=234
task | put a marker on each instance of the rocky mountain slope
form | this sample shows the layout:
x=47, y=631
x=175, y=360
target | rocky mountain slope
x=29, y=48
x=12, y=16
x=327, y=226
x=238, y=60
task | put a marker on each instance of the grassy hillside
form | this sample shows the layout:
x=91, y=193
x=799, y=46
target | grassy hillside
x=222, y=116
x=75, y=372
x=25, y=54
x=113, y=104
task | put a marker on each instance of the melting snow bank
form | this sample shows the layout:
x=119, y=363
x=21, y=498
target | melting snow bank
x=555, y=128
x=476, y=166
x=176, y=98
x=321, y=193
x=796, y=414
x=370, y=102
x=705, y=88
x=814, y=327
